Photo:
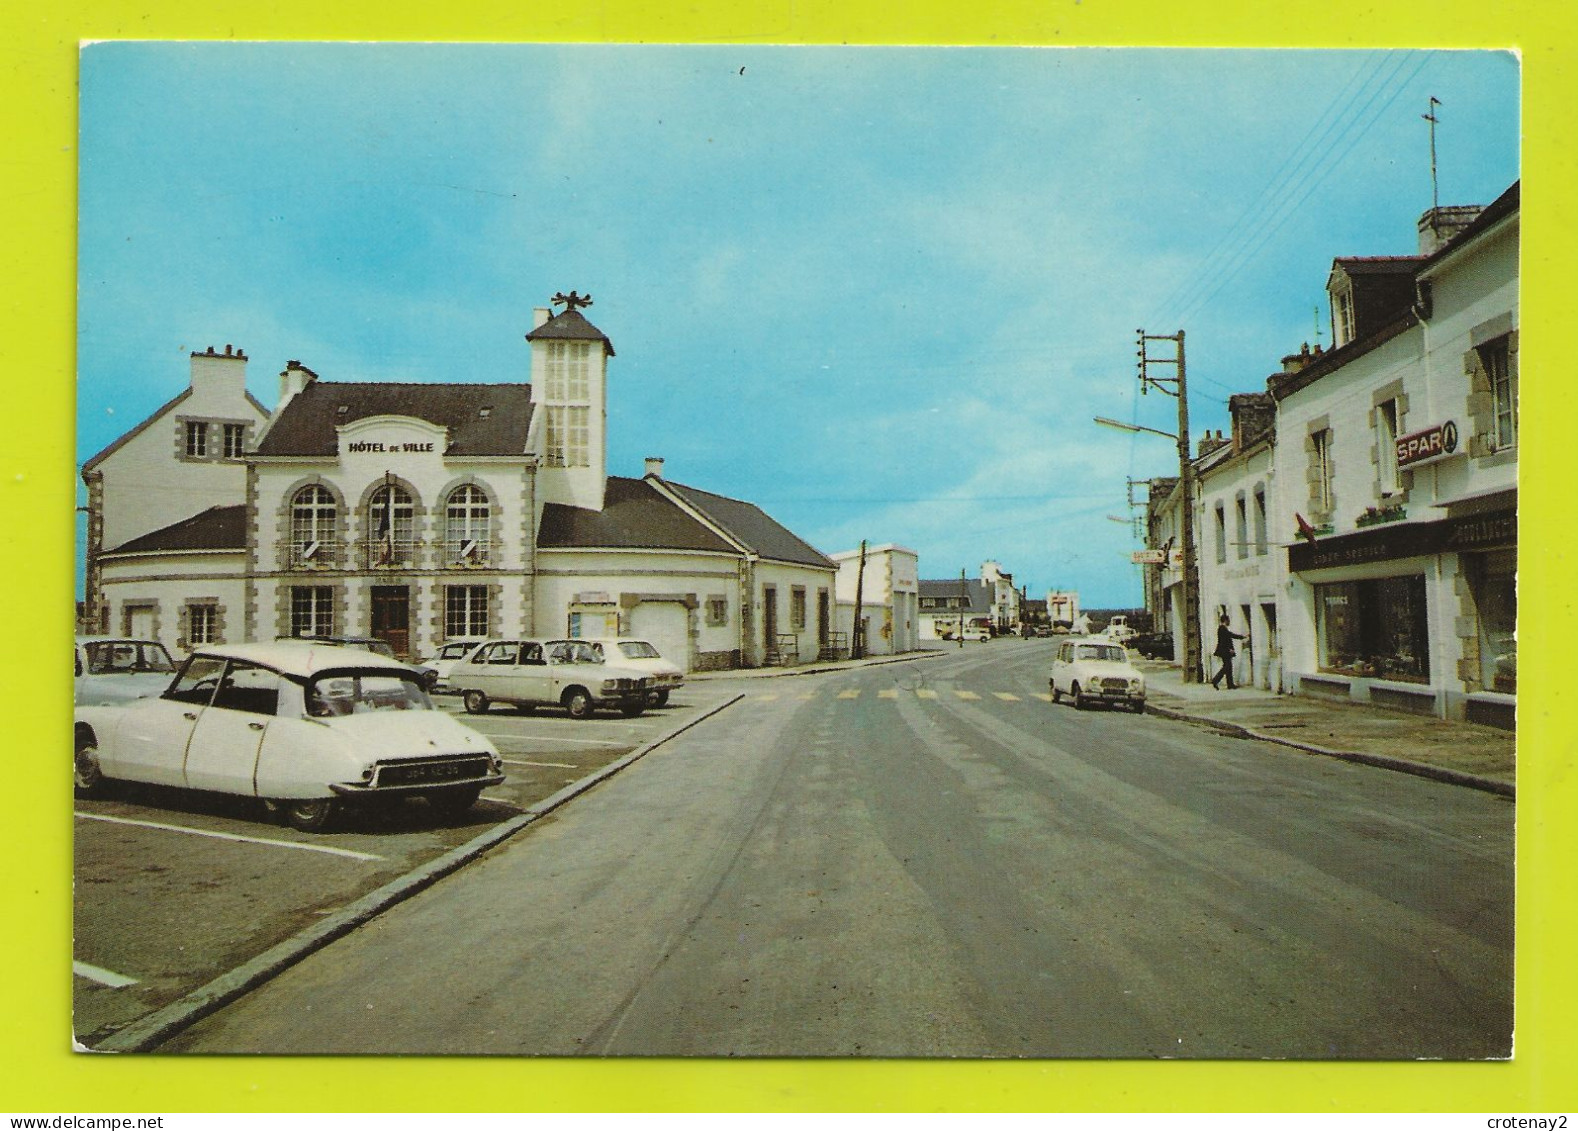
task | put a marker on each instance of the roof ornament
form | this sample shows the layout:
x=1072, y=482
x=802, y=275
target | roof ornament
x=571, y=301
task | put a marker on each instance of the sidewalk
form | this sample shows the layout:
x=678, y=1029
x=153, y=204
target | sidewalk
x=1461, y=753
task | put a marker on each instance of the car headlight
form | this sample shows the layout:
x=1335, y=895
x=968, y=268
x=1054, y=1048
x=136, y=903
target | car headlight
x=612, y=684
x=1136, y=685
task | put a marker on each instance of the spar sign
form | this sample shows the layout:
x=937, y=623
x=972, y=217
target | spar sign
x=1427, y=446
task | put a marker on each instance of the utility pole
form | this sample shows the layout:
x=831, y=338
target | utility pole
x=1177, y=386
x=857, y=646
x=964, y=605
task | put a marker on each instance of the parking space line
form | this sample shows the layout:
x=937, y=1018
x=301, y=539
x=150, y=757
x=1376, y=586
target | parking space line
x=888, y=693
x=852, y=694
x=1044, y=697
x=1005, y=697
x=556, y=738
x=231, y=836
x=926, y=693
x=102, y=976
x=554, y=765
x=966, y=695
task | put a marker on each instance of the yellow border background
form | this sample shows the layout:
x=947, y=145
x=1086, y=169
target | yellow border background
x=38, y=1072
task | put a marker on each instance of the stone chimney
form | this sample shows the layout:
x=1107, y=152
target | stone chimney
x=1254, y=416
x=293, y=380
x=1438, y=225
x=214, y=370
x=1296, y=361
x=540, y=316
x=1209, y=443
x=654, y=467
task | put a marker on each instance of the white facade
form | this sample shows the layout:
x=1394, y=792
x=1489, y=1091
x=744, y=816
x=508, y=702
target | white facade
x=889, y=589
x=1240, y=563
x=1405, y=595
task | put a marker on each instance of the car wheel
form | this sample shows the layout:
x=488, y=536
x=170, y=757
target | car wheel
x=308, y=815
x=476, y=702
x=1057, y=696
x=632, y=710
x=1079, y=698
x=452, y=803
x=657, y=698
x=578, y=703
x=86, y=773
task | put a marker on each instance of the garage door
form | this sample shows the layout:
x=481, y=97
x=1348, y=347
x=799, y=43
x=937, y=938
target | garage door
x=665, y=625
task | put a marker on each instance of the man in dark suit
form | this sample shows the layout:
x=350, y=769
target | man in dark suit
x=1224, y=652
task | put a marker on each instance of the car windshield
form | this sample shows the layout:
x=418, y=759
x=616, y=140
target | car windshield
x=1102, y=652
x=119, y=656
x=638, y=650
x=358, y=692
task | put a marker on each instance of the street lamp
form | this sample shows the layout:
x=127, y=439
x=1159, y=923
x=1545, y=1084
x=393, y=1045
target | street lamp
x=1187, y=582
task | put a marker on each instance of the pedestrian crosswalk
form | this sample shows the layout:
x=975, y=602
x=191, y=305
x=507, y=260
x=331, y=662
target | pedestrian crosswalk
x=925, y=693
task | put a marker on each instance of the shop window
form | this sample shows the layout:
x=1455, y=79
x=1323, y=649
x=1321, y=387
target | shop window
x=1494, y=583
x=1375, y=628
x=465, y=611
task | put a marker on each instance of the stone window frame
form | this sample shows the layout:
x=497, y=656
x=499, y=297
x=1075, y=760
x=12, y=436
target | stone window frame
x=1320, y=441
x=1402, y=479
x=1495, y=336
x=184, y=638
x=213, y=438
x=489, y=605
x=133, y=603
x=285, y=553
x=362, y=528
x=717, y=610
x=440, y=532
x=287, y=611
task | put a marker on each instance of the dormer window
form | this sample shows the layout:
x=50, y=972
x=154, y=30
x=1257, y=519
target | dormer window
x=1342, y=321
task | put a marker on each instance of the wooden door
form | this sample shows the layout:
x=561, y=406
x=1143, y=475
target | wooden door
x=392, y=617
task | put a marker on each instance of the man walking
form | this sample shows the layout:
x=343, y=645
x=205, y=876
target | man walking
x=1224, y=652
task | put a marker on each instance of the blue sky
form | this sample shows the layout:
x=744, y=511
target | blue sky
x=880, y=292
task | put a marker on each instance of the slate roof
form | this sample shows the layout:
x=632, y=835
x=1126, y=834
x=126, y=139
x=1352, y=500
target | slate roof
x=635, y=516
x=306, y=425
x=752, y=526
x=979, y=593
x=217, y=528
x=571, y=325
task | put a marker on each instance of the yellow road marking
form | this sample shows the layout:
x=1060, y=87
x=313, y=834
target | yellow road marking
x=966, y=695
x=849, y=694
x=1043, y=696
x=887, y=693
x=926, y=694
x=1005, y=697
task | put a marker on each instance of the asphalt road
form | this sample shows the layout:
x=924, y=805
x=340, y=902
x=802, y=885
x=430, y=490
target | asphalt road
x=930, y=859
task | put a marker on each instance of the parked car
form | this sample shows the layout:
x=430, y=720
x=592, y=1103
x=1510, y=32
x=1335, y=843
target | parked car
x=1091, y=669
x=641, y=655
x=378, y=646
x=305, y=727
x=114, y=669
x=558, y=673
x=447, y=657
x=1153, y=645
x=1118, y=629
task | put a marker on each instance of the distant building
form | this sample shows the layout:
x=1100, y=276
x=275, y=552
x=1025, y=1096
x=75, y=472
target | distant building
x=952, y=605
x=889, y=593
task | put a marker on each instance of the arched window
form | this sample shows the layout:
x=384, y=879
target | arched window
x=468, y=527
x=312, y=515
x=389, y=524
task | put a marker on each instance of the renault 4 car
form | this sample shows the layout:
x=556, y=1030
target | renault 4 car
x=1094, y=669
x=116, y=669
x=305, y=727
x=528, y=674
